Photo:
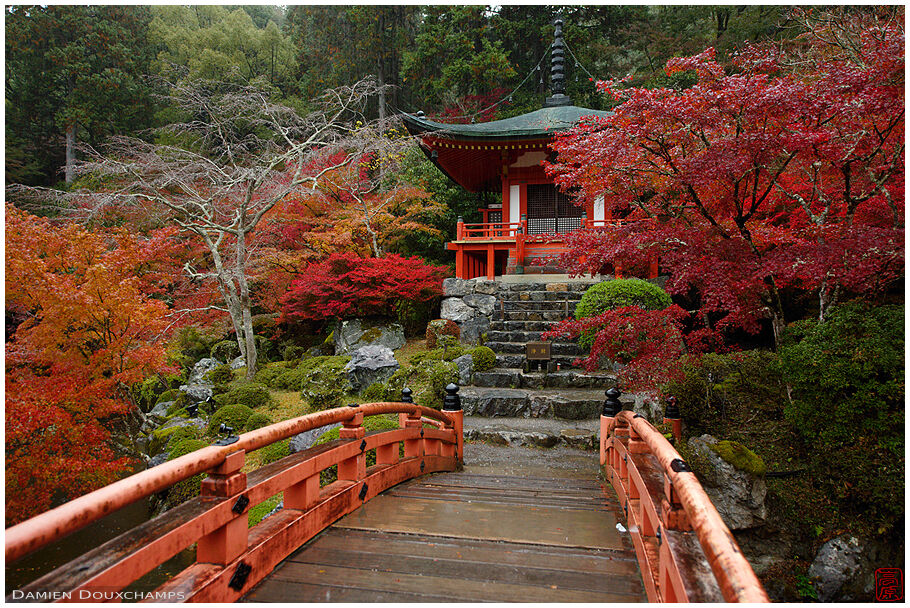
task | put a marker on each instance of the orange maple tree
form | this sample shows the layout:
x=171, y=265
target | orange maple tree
x=91, y=327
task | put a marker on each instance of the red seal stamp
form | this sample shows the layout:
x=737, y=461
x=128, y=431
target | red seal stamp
x=889, y=585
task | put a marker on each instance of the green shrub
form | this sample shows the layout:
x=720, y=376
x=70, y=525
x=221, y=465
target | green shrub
x=292, y=351
x=617, y=293
x=193, y=343
x=226, y=350
x=374, y=392
x=719, y=393
x=370, y=424
x=484, y=358
x=234, y=416
x=256, y=421
x=414, y=315
x=740, y=457
x=441, y=327
x=847, y=381
x=265, y=350
x=274, y=451
x=251, y=395
x=221, y=374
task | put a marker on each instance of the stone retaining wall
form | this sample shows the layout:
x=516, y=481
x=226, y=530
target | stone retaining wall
x=470, y=304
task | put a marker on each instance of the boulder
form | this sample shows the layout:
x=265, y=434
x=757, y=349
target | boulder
x=456, y=310
x=836, y=562
x=306, y=439
x=369, y=364
x=351, y=335
x=465, y=365
x=160, y=410
x=485, y=286
x=156, y=460
x=238, y=363
x=738, y=495
x=495, y=402
x=473, y=329
x=197, y=393
x=202, y=367
x=455, y=287
x=648, y=407
x=483, y=303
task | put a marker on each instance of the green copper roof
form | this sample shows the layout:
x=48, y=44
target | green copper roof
x=540, y=123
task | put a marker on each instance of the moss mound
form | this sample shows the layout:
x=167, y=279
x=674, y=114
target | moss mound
x=234, y=416
x=484, y=358
x=256, y=421
x=252, y=395
x=221, y=374
x=617, y=293
x=275, y=451
x=740, y=457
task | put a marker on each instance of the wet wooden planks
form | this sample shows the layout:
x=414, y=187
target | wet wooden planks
x=468, y=537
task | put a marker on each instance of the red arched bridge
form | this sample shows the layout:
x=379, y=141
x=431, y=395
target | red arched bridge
x=419, y=525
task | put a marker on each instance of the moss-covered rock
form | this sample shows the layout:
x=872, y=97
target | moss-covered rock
x=226, y=350
x=269, y=372
x=324, y=382
x=740, y=457
x=173, y=394
x=234, y=416
x=188, y=488
x=221, y=374
x=258, y=512
x=375, y=392
x=427, y=382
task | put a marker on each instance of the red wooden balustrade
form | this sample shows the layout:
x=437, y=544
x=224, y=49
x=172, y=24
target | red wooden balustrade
x=230, y=558
x=665, y=504
x=490, y=231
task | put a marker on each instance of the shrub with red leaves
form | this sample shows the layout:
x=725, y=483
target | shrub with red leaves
x=346, y=285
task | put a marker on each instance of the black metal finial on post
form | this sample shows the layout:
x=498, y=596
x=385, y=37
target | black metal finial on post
x=672, y=411
x=612, y=406
x=192, y=409
x=451, y=402
x=406, y=395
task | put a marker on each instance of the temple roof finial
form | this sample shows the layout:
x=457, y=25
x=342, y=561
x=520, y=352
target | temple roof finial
x=557, y=70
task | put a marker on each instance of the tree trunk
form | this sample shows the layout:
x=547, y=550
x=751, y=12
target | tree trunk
x=246, y=323
x=380, y=66
x=70, y=152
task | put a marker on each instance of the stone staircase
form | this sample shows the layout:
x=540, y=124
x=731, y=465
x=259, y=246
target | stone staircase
x=508, y=405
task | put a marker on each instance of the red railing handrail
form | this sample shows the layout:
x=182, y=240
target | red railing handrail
x=734, y=575
x=56, y=523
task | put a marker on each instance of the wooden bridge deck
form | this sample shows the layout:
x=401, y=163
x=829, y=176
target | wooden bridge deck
x=483, y=534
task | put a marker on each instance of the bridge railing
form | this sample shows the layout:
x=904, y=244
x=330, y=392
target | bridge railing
x=665, y=505
x=230, y=558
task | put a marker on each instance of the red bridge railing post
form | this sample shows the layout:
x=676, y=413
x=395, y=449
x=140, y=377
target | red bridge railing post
x=228, y=542
x=354, y=468
x=451, y=405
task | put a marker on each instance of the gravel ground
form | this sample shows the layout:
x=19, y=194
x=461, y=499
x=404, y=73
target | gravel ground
x=486, y=459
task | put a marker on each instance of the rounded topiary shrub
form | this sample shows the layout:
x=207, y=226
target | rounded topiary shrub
x=270, y=372
x=256, y=421
x=618, y=293
x=226, y=350
x=484, y=359
x=251, y=395
x=441, y=327
x=234, y=416
x=221, y=374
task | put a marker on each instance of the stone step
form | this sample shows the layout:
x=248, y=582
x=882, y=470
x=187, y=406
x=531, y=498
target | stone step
x=515, y=336
x=516, y=378
x=566, y=404
x=537, y=432
x=530, y=315
x=541, y=297
x=517, y=360
x=516, y=348
x=540, y=326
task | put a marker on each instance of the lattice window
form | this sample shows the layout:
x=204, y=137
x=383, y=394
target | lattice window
x=551, y=211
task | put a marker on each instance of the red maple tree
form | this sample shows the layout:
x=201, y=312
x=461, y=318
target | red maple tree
x=347, y=285
x=783, y=178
